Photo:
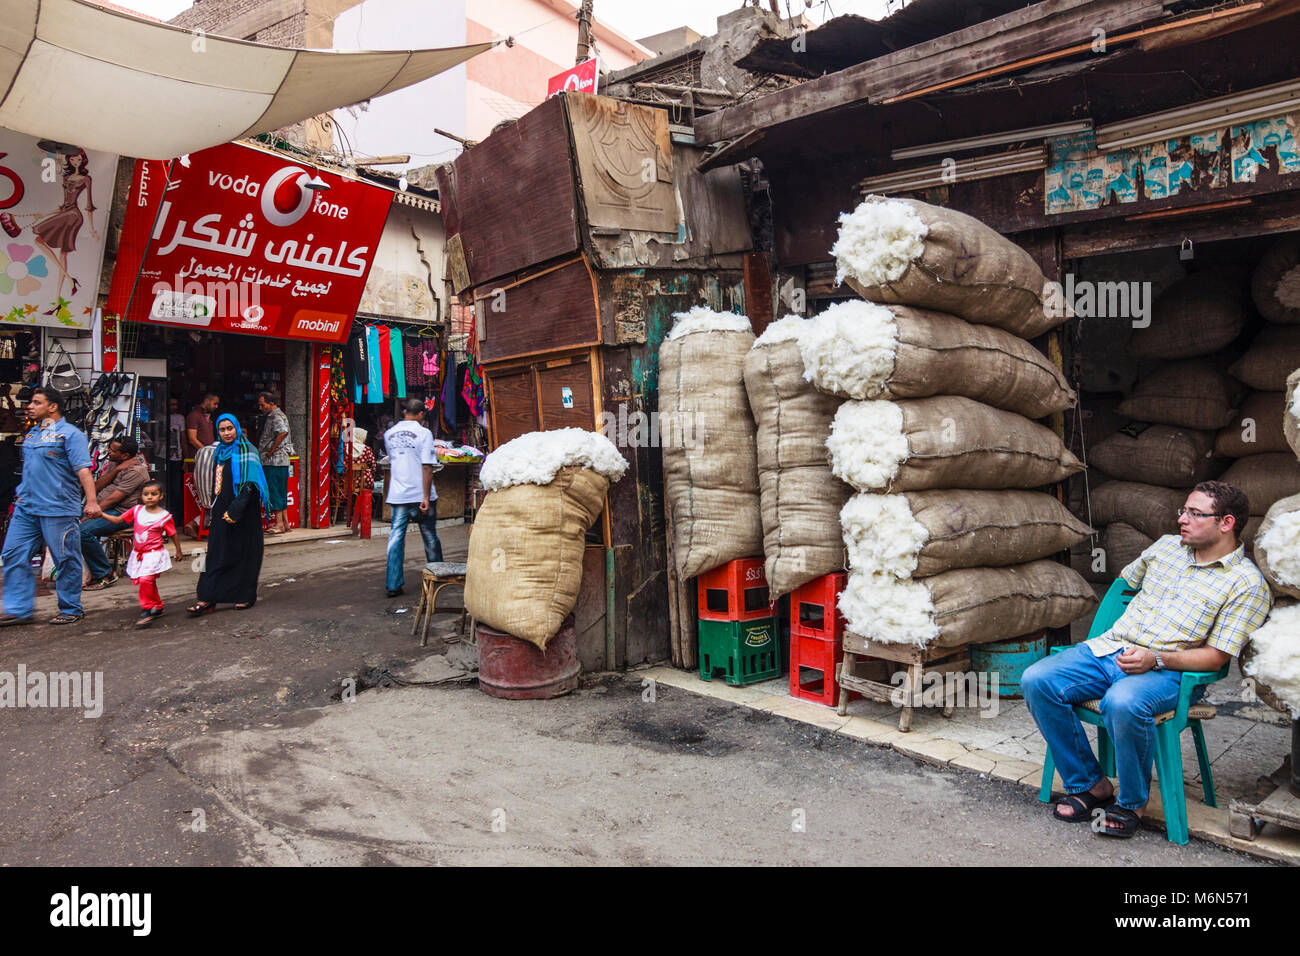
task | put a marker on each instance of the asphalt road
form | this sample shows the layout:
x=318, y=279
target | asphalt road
x=227, y=740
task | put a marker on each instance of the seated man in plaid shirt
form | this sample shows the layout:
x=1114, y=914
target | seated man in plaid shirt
x=1200, y=599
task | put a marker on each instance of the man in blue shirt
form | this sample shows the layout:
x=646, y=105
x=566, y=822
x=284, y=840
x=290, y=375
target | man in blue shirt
x=47, y=512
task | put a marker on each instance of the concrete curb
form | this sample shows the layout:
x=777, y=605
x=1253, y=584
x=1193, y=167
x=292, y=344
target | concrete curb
x=1205, y=823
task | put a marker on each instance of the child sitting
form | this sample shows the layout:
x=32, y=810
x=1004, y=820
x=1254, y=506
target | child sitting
x=149, y=523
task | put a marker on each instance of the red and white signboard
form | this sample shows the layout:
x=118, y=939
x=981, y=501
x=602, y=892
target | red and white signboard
x=580, y=79
x=238, y=241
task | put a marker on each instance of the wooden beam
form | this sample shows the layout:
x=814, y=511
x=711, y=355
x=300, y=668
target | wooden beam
x=1033, y=29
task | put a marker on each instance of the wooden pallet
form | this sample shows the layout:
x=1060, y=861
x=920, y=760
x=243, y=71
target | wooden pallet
x=918, y=661
x=1245, y=819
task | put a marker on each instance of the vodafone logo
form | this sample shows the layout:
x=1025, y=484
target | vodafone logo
x=286, y=190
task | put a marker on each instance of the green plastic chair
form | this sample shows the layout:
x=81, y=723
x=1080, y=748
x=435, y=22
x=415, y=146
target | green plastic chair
x=1169, y=726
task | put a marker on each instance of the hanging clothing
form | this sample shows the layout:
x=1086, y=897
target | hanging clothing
x=245, y=461
x=399, y=363
x=447, y=397
x=358, y=366
x=411, y=364
x=234, y=560
x=473, y=393
x=374, y=381
x=386, y=359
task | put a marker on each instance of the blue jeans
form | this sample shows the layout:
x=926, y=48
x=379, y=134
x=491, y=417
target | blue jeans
x=91, y=548
x=27, y=533
x=402, y=515
x=1129, y=704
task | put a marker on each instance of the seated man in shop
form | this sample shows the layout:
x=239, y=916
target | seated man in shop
x=1200, y=599
x=118, y=489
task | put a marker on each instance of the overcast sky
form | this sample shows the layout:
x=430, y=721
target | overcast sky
x=636, y=18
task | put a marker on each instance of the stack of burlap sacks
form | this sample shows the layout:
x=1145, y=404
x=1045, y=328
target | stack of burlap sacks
x=1199, y=414
x=946, y=543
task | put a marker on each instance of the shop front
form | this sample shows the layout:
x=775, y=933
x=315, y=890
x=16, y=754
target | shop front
x=236, y=273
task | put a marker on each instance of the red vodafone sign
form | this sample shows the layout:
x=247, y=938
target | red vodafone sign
x=580, y=79
x=240, y=241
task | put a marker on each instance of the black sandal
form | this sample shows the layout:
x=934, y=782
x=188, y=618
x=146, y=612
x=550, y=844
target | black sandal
x=1129, y=823
x=1083, y=804
x=199, y=609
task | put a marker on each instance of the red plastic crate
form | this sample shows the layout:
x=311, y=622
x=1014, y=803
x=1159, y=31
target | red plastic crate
x=736, y=591
x=813, y=608
x=823, y=656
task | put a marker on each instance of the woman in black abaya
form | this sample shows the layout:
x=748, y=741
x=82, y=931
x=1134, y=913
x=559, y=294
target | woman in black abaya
x=234, y=558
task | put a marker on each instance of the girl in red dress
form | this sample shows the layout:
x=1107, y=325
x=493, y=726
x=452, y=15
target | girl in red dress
x=149, y=523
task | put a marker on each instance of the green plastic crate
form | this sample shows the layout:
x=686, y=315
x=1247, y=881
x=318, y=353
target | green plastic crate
x=745, y=652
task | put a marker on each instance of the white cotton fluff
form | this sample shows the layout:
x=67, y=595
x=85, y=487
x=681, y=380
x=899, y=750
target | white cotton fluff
x=867, y=444
x=787, y=329
x=536, y=458
x=878, y=241
x=850, y=348
x=1275, y=656
x=882, y=608
x=700, y=319
x=881, y=535
x=1295, y=404
x=1282, y=547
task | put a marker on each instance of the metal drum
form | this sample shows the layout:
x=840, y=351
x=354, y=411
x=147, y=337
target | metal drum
x=514, y=669
x=1009, y=659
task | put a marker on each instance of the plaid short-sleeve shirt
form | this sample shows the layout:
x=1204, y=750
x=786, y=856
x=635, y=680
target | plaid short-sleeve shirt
x=1183, y=604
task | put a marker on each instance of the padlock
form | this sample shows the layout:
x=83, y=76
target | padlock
x=1185, y=251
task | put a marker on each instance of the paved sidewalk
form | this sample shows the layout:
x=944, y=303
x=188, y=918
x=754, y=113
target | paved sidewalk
x=1246, y=740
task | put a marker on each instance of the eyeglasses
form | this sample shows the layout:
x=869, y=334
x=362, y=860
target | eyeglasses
x=1197, y=514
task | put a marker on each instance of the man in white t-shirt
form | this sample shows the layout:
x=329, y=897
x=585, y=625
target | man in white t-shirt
x=411, y=464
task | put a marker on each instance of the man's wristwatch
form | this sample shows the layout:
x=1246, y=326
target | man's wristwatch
x=1160, y=663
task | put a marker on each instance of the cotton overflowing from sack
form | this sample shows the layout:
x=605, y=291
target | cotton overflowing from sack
x=525, y=551
x=967, y=606
x=711, y=466
x=923, y=533
x=800, y=498
x=912, y=253
x=943, y=442
x=1277, y=547
x=1274, y=656
x=1275, y=285
x=865, y=350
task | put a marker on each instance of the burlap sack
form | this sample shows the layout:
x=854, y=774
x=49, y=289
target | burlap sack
x=525, y=553
x=1276, y=283
x=1260, y=420
x=1197, y=315
x=955, y=442
x=1265, y=479
x=800, y=498
x=1158, y=454
x=970, y=529
x=977, y=605
x=1273, y=355
x=940, y=354
x=968, y=270
x=1188, y=394
x=1291, y=586
x=710, y=480
x=1150, y=509
x=1122, y=544
x=1291, y=412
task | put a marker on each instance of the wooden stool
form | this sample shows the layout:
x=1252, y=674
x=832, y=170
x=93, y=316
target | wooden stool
x=438, y=575
x=117, y=548
x=920, y=661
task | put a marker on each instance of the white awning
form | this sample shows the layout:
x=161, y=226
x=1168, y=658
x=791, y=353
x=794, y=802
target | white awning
x=78, y=73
